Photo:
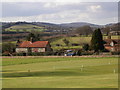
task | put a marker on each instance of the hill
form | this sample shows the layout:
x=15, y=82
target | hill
x=49, y=27
x=79, y=24
x=24, y=28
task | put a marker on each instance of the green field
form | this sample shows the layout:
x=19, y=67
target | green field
x=60, y=72
x=79, y=40
x=24, y=27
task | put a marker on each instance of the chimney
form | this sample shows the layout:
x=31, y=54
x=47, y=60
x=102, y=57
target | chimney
x=31, y=39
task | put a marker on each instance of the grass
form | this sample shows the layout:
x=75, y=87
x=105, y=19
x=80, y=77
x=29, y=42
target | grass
x=25, y=27
x=78, y=40
x=16, y=61
x=60, y=72
x=72, y=40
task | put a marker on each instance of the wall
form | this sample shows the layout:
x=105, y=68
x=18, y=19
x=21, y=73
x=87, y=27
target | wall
x=38, y=49
x=18, y=50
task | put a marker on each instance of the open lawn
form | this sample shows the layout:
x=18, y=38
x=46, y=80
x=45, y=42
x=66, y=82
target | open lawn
x=60, y=72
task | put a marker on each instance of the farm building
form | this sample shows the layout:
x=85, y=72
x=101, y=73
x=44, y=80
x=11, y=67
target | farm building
x=112, y=45
x=37, y=46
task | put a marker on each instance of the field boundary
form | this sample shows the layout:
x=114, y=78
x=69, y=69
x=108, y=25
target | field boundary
x=58, y=56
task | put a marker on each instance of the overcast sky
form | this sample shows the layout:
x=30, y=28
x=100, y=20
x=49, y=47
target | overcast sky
x=61, y=12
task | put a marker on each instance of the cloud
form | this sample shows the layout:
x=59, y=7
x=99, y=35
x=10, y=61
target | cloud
x=59, y=1
x=61, y=12
x=94, y=8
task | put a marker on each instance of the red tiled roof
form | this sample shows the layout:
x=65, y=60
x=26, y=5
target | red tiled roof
x=26, y=44
x=39, y=44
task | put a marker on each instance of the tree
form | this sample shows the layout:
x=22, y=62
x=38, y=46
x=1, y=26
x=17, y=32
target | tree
x=84, y=30
x=9, y=47
x=66, y=42
x=33, y=37
x=86, y=47
x=97, y=41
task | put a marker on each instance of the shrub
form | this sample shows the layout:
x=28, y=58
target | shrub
x=78, y=53
x=87, y=53
x=35, y=54
x=19, y=54
x=48, y=53
x=58, y=45
x=75, y=44
x=86, y=47
x=115, y=53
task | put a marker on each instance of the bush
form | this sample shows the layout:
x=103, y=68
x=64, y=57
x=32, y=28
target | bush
x=19, y=54
x=75, y=44
x=48, y=53
x=35, y=54
x=86, y=47
x=115, y=53
x=4, y=54
x=87, y=53
x=78, y=53
x=58, y=45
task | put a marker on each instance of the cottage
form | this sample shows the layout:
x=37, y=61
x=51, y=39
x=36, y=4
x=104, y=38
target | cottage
x=112, y=45
x=28, y=46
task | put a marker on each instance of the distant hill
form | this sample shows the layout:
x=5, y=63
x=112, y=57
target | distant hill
x=113, y=26
x=79, y=24
x=49, y=27
x=110, y=24
x=21, y=27
x=44, y=24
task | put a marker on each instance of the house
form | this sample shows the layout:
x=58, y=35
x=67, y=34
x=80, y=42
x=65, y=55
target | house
x=37, y=46
x=112, y=45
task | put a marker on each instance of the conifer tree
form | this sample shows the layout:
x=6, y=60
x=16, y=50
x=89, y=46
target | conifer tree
x=97, y=41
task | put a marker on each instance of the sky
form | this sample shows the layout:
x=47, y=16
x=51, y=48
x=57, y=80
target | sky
x=60, y=12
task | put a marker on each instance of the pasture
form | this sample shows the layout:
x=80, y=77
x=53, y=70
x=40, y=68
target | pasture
x=79, y=40
x=60, y=72
x=24, y=28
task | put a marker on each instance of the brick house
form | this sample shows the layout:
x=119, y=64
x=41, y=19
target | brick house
x=112, y=45
x=28, y=46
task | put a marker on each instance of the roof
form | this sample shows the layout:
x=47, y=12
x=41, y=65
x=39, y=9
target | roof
x=39, y=44
x=26, y=44
x=108, y=41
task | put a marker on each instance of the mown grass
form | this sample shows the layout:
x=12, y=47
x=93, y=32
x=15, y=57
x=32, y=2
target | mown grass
x=15, y=61
x=61, y=73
